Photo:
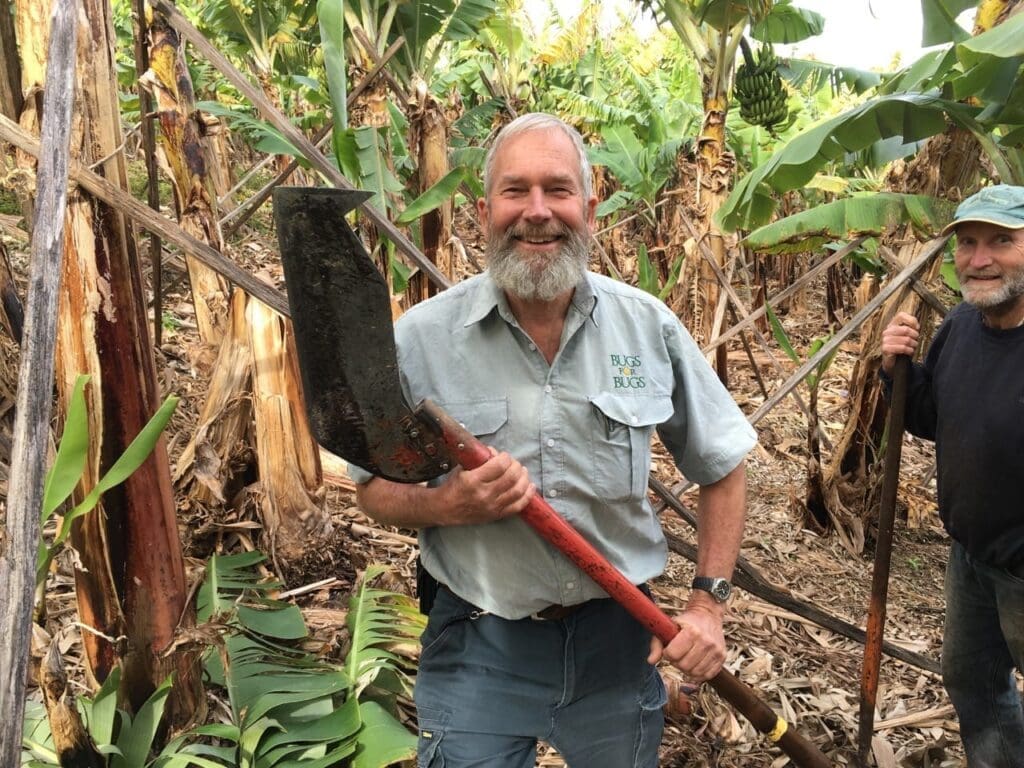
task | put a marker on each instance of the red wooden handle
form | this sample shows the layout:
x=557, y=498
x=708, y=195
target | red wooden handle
x=471, y=453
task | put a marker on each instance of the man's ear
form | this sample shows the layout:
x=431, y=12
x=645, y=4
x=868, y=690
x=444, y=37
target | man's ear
x=592, y=213
x=481, y=213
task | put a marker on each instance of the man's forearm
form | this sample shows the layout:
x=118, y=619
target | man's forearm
x=400, y=504
x=721, y=514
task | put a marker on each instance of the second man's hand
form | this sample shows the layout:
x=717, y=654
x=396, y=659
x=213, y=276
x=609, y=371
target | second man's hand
x=900, y=337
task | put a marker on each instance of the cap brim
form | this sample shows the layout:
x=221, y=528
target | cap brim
x=1012, y=224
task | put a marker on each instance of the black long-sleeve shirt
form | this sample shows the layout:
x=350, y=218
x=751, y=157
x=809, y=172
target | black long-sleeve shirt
x=968, y=397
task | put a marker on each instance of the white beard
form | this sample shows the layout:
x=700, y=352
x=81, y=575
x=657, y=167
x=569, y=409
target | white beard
x=1011, y=288
x=529, y=278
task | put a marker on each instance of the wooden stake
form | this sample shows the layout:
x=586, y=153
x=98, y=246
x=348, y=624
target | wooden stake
x=35, y=381
x=883, y=558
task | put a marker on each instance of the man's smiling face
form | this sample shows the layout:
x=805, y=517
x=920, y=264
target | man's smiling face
x=989, y=263
x=535, y=216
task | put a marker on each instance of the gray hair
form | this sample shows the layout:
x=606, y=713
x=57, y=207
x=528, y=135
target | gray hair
x=540, y=121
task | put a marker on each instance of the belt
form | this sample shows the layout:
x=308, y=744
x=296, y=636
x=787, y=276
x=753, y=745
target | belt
x=559, y=612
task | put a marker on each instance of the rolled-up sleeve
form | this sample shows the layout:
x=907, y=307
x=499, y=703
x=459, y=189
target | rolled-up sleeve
x=707, y=435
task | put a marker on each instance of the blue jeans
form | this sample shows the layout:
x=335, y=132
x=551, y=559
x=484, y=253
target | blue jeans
x=983, y=642
x=487, y=689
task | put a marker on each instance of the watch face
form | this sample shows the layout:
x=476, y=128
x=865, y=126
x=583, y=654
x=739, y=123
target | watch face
x=720, y=590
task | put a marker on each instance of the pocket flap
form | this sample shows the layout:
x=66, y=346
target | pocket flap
x=636, y=411
x=479, y=417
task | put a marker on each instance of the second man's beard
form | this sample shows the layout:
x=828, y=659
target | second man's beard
x=1010, y=289
x=537, y=277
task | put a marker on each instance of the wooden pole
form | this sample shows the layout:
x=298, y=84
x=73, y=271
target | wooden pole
x=152, y=221
x=883, y=557
x=156, y=263
x=35, y=380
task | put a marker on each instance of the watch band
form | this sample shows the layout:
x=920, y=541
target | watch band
x=717, y=587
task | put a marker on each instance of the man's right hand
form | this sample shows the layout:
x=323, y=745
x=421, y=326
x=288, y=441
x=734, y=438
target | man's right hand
x=498, y=488
x=899, y=338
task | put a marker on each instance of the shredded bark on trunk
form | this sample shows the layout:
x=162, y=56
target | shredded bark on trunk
x=71, y=741
x=292, y=500
x=211, y=468
x=131, y=585
x=184, y=158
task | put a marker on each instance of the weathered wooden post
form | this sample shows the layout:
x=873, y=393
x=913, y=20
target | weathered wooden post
x=35, y=381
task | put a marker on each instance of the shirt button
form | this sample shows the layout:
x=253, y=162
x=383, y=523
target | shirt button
x=548, y=388
x=551, y=442
x=570, y=585
x=633, y=419
x=552, y=493
x=533, y=347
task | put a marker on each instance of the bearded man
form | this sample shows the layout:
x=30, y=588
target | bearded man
x=565, y=374
x=968, y=396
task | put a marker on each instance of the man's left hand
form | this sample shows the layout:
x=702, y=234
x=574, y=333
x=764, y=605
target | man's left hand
x=698, y=650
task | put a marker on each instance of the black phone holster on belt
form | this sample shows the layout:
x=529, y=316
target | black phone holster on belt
x=426, y=588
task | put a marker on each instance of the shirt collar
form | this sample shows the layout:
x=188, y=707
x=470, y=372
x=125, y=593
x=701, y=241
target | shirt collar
x=490, y=297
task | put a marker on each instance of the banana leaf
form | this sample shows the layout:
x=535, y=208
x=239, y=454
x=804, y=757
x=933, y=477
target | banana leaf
x=378, y=621
x=385, y=741
x=331, y=16
x=787, y=24
x=939, y=21
x=912, y=116
x=849, y=218
x=438, y=194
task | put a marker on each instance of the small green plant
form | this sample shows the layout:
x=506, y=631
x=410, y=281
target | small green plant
x=647, y=274
x=914, y=563
x=286, y=706
x=69, y=464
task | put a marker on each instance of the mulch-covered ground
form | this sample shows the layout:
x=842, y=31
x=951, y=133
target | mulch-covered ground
x=809, y=675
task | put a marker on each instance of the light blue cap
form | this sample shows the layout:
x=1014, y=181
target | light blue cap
x=1001, y=204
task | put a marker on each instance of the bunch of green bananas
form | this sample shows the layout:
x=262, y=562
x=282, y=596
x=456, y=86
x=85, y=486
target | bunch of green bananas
x=759, y=89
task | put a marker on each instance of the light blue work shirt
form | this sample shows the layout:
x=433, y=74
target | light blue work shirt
x=581, y=426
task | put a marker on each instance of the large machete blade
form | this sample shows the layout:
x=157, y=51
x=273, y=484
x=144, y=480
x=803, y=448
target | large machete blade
x=341, y=313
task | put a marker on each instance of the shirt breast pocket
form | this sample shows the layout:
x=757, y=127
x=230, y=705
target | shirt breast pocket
x=621, y=442
x=482, y=418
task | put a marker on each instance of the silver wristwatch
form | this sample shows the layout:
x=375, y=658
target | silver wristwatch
x=717, y=587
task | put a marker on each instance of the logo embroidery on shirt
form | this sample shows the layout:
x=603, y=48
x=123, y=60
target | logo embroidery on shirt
x=628, y=367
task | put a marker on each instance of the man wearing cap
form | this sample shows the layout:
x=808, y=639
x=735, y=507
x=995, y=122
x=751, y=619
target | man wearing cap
x=968, y=396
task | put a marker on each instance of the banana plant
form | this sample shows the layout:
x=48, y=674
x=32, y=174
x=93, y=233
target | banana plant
x=69, y=464
x=915, y=104
x=712, y=30
x=287, y=707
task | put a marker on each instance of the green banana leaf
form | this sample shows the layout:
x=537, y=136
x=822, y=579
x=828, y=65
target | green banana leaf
x=427, y=24
x=362, y=152
x=780, y=335
x=264, y=137
x=331, y=17
x=71, y=452
x=939, y=21
x=438, y=194
x=911, y=116
x=385, y=741
x=377, y=621
x=787, y=24
x=73, y=457
x=849, y=218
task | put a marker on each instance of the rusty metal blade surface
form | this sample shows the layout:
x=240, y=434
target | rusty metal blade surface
x=341, y=313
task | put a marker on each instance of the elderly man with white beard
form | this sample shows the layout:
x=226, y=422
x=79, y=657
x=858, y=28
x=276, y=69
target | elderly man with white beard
x=968, y=396
x=565, y=374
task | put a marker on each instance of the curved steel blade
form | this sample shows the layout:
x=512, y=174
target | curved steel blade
x=341, y=313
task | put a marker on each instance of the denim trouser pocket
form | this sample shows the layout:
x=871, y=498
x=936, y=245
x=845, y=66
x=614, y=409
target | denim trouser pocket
x=653, y=698
x=431, y=734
